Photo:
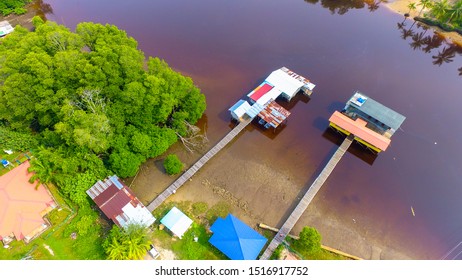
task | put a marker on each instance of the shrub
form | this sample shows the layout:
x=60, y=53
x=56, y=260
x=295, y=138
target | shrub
x=173, y=165
x=309, y=242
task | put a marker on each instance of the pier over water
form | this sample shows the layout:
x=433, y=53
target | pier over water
x=307, y=198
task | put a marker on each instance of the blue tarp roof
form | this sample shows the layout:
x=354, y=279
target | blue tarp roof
x=235, y=239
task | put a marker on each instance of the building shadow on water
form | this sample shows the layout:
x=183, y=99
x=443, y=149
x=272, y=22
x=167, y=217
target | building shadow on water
x=355, y=149
x=271, y=133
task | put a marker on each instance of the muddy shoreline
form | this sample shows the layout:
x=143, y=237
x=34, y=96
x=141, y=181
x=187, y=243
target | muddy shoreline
x=259, y=194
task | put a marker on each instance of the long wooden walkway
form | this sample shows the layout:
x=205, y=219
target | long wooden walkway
x=307, y=198
x=193, y=169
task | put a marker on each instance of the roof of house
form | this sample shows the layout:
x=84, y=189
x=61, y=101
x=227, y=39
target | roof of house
x=22, y=204
x=240, y=108
x=376, y=110
x=119, y=203
x=285, y=82
x=259, y=91
x=235, y=239
x=359, y=129
x=176, y=221
x=274, y=114
x=5, y=28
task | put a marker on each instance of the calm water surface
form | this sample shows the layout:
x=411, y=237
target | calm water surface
x=228, y=47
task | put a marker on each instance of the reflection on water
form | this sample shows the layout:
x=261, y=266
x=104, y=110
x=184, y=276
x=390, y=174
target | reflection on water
x=342, y=7
x=229, y=47
x=356, y=149
x=442, y=52
x=42, y=9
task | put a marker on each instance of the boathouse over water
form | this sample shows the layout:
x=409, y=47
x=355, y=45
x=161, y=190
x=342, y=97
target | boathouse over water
x=370, y=122
x=281, y=82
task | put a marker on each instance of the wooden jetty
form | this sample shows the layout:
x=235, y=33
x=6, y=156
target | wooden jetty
x=307, y=198
x=196, y=166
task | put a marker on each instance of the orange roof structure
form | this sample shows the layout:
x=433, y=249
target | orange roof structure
x=22, y=205
x=358, y=129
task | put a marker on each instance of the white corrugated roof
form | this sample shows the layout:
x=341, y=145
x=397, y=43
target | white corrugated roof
x=284, y=82
x=240, y=108
x=176, y=221
x=5, y=28
x=270, y=95
x=138, y=215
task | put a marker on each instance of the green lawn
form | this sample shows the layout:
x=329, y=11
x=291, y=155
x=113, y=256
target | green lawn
x=15, y=158
x=186, y=248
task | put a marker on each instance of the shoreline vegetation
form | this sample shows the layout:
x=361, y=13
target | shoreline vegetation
x=414, y=9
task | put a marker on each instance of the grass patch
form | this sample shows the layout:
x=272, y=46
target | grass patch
x=187, y=248
x=15, y=159
x=221, y=209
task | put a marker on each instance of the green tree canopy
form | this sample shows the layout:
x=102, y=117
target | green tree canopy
x=93, y=101
x=309, y=242
x=130, y=243
x=173, y=165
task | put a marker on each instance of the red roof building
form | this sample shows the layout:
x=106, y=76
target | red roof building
x=119, y=203
x=22, y=205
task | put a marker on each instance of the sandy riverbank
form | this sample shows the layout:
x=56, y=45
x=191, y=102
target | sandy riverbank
x=401, y=7
x=259, y=194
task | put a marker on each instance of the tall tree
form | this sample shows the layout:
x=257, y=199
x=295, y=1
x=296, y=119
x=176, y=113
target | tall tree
x=424, y=4
x=129, y=243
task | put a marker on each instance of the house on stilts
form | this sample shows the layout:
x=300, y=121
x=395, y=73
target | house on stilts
x=371, y=123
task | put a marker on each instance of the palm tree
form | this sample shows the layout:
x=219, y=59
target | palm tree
x=412, y=7
x=441, y=9
x=43, y=172
x=116, y=250
x=456, y=12
x=424, y=4
x=130, y=243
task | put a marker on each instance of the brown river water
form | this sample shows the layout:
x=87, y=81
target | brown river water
x=229, y=47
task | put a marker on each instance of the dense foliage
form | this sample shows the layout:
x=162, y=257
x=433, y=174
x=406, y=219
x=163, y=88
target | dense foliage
x=130, y=243
x=173, y=165
x=448, y=14
x=309, y=242
x=13, y=6
x=90, y=99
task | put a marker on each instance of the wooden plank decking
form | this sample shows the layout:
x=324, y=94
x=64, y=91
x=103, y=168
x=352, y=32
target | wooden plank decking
x=307, y=198
x=196, y=166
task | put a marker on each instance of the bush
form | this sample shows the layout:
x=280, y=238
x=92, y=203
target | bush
x=20, y=11
x=309, y=242
x=173, y=165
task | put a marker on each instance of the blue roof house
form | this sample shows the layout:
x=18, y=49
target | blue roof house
x=235, y=239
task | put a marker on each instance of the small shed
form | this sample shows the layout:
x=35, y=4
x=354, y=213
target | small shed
x=176, y=221
x=238, y=110
x=235, y=239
